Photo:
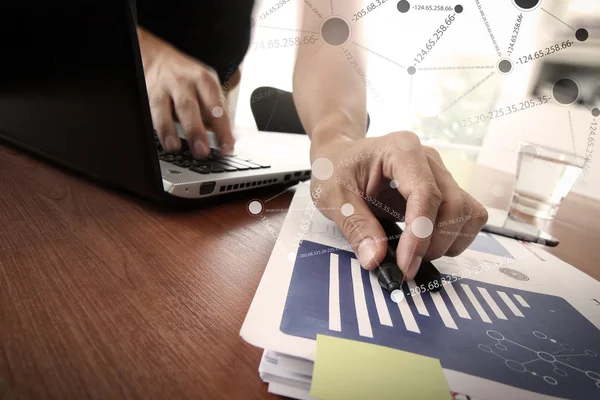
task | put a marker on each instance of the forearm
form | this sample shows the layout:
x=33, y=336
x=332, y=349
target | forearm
x=329, y=96
x=329, y=93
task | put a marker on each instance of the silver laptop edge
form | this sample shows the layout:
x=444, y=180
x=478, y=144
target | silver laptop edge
x=286, y=154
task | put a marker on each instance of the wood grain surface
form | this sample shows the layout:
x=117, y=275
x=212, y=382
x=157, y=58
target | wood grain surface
x=105, y=296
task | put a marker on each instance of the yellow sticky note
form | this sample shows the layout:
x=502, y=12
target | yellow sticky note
x=347, y=369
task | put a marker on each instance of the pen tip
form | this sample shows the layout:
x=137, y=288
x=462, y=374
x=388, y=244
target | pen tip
x=397, y=296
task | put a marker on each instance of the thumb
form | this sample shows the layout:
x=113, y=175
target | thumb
x=362, y=230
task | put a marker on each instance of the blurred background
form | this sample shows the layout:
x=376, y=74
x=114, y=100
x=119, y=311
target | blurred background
x=420, y=102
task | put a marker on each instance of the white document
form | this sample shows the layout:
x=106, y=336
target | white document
x=513, y=322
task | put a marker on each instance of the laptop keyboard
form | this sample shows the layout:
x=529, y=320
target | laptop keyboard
x=215, y=163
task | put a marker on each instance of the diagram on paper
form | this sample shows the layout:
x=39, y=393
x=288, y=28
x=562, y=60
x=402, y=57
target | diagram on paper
x=562, y=362
x=528, y=340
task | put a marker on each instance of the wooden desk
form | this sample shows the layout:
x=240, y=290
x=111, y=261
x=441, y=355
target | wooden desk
x=103, y=296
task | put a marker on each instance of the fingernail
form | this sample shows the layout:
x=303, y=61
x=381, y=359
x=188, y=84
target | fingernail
x=413, y=267
x=170, y=144
x=200, y=148
x=366, y=251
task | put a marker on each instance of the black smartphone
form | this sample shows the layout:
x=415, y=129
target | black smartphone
x=502, y=223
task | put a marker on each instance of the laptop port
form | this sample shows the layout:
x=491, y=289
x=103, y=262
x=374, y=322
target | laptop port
x=207, y=188
x=287, y=177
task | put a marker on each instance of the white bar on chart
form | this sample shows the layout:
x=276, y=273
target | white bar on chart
x=493, y=305
x=513, y=307
x=382, y=310
x=456, y=301
x=418, y=299
x=482, y=314
x=408, y=317
x=521, y=300
x=335, y=318
x=360, y=302
x=443, y=310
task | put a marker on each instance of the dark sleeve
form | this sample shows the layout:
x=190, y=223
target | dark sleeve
x=133, y=6
x=216, y=32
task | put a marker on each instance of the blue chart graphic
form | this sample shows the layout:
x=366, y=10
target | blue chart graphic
x=524, y=339
x=486, y=243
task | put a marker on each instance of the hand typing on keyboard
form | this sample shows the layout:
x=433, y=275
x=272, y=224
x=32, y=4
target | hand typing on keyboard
x=182, y=87
x=215, y=162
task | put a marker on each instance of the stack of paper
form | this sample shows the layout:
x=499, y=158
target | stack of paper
x=512, y=322
x=354, y=370
x=286, y=376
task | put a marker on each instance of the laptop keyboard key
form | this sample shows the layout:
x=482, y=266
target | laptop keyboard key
x=202, y=169
x=207, y=168
x=216, y=154
x=225, y=167
x=256, y=164
x=216, y=168
x=183, y=163
x=244, y=163
x=238, y=166
x=215, y=163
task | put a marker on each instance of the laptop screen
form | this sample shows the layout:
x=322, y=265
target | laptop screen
x=72, y=89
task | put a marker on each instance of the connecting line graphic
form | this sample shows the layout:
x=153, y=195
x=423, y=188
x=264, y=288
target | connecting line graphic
x=378, y=55
x=556, y=18
x=361, y=74
x=572, y=134
x=287, y=29
x=279, y=194
x=335, y=31
x=272, y=111
x=572, y=355
x=527, y=362
x=410, y=93
x=551, y=358
x=458, y=67
x=489, y=29
x=467, y=93
x=274, y=210
x=314, y=9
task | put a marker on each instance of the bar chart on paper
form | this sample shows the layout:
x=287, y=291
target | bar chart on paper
x=529, y=340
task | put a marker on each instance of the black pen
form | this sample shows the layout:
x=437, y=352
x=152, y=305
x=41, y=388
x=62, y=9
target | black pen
x=390, y=276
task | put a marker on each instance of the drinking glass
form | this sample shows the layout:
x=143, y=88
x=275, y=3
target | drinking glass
x=544, y=177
